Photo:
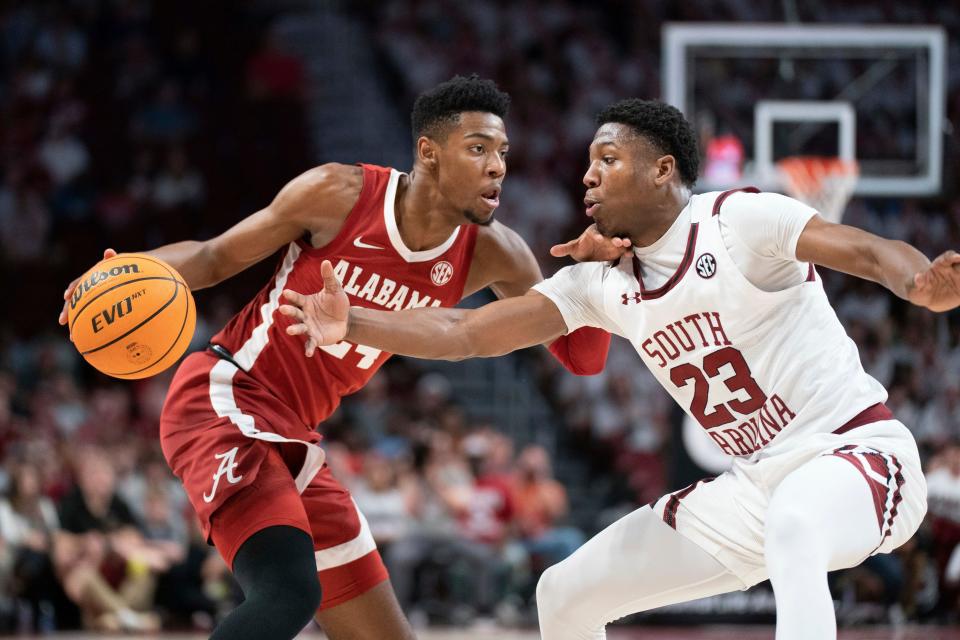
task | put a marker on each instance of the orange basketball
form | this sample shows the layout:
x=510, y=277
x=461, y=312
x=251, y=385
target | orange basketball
x=131, y=316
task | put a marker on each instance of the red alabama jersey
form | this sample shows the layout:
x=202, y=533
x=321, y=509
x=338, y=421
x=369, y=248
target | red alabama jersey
x=377, y=271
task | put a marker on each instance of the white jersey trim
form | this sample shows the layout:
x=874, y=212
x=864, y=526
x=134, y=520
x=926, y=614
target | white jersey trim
x=350, y=550
x=390, y=220
x=247, y=354
x=225, y=405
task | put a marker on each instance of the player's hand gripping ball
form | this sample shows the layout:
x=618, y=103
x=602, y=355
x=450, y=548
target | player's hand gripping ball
x=131, y=316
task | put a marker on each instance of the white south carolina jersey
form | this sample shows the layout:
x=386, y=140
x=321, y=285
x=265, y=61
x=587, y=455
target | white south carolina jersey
x=755, y=368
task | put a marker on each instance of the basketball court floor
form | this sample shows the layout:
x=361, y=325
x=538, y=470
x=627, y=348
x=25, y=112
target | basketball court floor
x=623, y=633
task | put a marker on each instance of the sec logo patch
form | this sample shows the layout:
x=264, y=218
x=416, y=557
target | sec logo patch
x=441, y=273
x=706, y=265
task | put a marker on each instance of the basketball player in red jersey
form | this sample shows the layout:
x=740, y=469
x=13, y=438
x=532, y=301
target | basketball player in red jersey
x=238, y=424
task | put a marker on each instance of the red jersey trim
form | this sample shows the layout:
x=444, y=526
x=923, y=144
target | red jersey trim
x=677, y=276
x=874, y=413
x=673, y=504
x=726, y=194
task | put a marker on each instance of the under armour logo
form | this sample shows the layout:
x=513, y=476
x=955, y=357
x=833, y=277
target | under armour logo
x=628, y=298
x=706, y=265
x=227, y=465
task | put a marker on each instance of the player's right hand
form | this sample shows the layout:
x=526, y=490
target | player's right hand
x=592, y=246
x=108, y=253
x=322, y=316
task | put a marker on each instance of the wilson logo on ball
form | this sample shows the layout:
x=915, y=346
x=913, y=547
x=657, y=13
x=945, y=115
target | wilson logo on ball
x=97, y=277
x=441, y=273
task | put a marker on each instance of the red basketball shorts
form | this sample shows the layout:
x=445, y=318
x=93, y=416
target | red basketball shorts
x=246, y=465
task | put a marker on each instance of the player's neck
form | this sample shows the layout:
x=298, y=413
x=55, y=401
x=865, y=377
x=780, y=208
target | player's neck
x=659, y=218
x=424, y=219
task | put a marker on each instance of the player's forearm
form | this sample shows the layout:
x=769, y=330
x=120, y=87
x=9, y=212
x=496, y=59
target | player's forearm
x=455, y=334
x=193, y=260
x=433, y=334
x=896, y=264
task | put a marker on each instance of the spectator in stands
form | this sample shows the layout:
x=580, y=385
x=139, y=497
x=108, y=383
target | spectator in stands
x=943, y=488
x=178, y=185
x=28, y=522
x=167, y=118
x=541, y=505
x=385, y=498
x=273, y=73
x=434, y=551
x=100, y=554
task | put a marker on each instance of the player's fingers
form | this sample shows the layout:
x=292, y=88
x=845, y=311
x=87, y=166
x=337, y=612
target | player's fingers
x=70, y=287
x=951, y=256
x=109, y=253
x=310, y=347
x=297, y=329
x=292, y=311
x=561, y=250
x=946, y=259
x=330, y=282
x=296, y=299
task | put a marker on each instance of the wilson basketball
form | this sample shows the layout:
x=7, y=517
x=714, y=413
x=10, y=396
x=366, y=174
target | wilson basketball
x=131, y=316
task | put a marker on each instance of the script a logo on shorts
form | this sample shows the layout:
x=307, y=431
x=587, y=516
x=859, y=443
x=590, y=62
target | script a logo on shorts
x=227, y=464
x=441, y=273
x=706, y=265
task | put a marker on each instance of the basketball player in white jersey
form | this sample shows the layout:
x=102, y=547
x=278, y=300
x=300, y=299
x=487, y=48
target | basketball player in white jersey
x=720, y=298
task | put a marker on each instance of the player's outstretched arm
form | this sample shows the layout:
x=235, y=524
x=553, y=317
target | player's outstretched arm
x=896, y=265
x=322, y=195
x=505, y=263
x=498, y=328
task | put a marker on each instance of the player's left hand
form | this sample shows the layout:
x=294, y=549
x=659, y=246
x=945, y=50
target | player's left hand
x=938, y=286
x=592, y=246
x=322, y=317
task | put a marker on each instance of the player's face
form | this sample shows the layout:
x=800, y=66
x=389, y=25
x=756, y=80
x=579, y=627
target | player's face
x=472, y=165
x=620, y=180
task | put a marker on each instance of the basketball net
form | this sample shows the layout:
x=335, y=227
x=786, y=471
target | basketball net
x=826, y=184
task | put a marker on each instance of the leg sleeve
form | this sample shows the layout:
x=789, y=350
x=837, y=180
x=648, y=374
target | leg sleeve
x=635, y=564
x=821, y=517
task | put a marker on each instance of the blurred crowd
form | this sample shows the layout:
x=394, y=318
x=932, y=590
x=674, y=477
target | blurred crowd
x=129, y=125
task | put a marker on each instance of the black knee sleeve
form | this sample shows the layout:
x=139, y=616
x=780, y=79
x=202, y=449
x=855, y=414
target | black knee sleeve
x=277, y=571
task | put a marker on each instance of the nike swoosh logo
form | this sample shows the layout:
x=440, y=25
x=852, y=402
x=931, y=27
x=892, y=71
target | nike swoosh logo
x=360, y=244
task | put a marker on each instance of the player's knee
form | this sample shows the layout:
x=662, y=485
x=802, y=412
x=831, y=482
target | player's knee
x=277, y=572
x=549, y=593
x=309, y=597
x=791, y=533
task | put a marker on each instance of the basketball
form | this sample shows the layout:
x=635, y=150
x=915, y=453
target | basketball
x=131, y=316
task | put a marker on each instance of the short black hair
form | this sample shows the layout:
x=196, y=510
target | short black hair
x=436, y=109
x=663, y=126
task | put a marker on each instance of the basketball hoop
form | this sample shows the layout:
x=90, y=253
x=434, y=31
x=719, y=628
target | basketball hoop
x=826, y=184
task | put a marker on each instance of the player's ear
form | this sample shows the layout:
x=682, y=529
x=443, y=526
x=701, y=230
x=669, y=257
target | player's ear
x=427, y=151
x=666, y=167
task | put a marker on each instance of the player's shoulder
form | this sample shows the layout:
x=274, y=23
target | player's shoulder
x=500, y=254
x=748, y=201
x=331, y=188
x=499, y=238
x=330, y=178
